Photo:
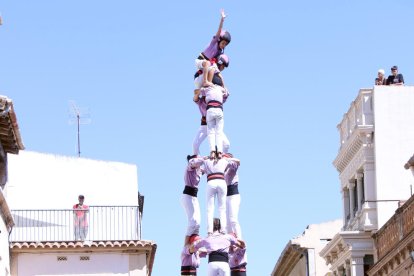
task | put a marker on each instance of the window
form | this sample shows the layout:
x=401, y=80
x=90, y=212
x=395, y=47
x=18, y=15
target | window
x=355, y=191
x=362, y=189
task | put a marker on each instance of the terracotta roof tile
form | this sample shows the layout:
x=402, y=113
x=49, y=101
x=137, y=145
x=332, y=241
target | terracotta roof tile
x=79, y=244
x=10, y=137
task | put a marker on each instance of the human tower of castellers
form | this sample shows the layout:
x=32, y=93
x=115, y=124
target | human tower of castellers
x=223, y=246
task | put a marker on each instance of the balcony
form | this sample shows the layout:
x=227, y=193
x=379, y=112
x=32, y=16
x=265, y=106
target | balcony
x=359, y=116
x=101, y=223
x=397, y=228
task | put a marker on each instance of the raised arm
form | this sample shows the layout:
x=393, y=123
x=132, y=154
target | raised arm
x=223, y=15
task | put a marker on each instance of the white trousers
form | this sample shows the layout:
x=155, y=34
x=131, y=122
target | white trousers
x=192, y=210
x=216, y=188
x=218, y=269
x=232, y=210
x=202, y=134
x=215, y=125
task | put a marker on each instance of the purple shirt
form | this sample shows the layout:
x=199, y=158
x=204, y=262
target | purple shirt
x=192, y=176
x=213, y=166
x=189, y=259
x=216, y=242
x=214, y=93
x=231, y=176
x=202, y=106
x=212, y=49
x=237, y=257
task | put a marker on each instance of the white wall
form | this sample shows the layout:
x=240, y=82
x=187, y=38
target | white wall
x=98, y=264
x=4, y=249
x=394, y=145
x=315, y=238
x=47, y=181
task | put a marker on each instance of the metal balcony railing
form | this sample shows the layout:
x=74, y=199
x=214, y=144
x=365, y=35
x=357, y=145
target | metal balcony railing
x=397, y=228
x=360, y=114
x=99, y=223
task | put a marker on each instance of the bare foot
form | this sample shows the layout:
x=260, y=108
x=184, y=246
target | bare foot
x=207, y=84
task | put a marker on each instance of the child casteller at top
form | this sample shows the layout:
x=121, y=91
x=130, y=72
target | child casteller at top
x=206, y=61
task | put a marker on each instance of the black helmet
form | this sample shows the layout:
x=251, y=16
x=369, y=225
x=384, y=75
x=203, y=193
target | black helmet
x=189, y=157
x=223, y=60
x=225, y=35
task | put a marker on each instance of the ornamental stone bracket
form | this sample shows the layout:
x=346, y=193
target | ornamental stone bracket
x=347, y=247
x=361, y=138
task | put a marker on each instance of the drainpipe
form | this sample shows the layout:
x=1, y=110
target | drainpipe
x=306, y=254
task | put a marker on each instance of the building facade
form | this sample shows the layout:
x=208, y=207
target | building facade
x=375, y=135
x=301, y=254
x=42, y=190
x=10, y=143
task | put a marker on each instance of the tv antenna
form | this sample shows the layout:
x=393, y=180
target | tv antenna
x=78, y=116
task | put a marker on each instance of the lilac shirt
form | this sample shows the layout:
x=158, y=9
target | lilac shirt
x=214, y=93
x=212, y=49
x=202, y=105
x=231, y=176
x=189, y=259
x=213, y=166
x=216, y=242
x=192, y=176
x=237, y=258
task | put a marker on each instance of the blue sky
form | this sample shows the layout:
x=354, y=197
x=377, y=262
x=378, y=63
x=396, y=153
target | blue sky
x=295, y=67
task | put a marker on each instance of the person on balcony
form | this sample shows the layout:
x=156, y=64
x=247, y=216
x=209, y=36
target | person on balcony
x=80, y=219
x=380, y=80
x=395, y=78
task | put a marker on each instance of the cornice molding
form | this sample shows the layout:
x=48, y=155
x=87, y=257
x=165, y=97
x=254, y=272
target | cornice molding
x=346, y=245
x=360, y=138
x=288, y=259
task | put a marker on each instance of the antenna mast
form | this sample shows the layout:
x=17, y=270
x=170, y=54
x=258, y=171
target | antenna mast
x=79, y=117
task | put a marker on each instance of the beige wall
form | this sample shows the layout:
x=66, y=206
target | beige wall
x=299, y=268
x=98, y=264
x=4, y=249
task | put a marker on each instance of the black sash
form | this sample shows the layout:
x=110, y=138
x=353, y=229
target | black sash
x=232, y=190
x=190, y=191
x=217, y=256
